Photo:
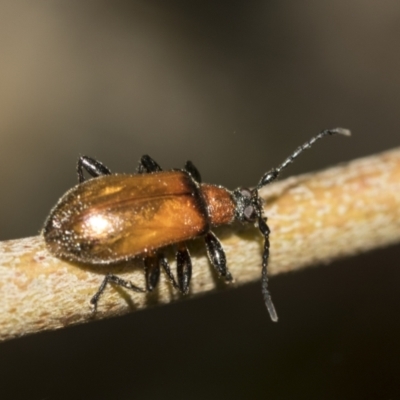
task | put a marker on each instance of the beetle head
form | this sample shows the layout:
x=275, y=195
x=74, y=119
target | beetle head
x=248, y=205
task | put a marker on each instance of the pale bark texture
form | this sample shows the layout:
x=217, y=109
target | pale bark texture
x=314, y=219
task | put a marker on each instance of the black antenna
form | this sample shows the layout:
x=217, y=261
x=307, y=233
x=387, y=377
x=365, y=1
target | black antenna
x=274, y=173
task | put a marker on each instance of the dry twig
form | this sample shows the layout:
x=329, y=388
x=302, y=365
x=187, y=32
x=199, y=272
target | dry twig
x=314, y=218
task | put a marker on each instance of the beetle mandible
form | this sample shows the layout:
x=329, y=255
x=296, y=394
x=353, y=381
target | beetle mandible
x=118, y=217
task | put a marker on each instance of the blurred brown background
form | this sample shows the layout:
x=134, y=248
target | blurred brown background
x=235, y=87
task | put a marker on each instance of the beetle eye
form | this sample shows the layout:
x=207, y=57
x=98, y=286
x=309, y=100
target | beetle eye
x=246, y=193
x=249, y=213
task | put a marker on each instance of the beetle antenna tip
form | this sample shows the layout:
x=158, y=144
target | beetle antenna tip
x=342, y=131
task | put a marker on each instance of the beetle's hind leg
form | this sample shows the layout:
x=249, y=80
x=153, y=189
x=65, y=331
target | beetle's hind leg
x=217, y=257
x=110, y=278
x=93, y=167
x=184, y=268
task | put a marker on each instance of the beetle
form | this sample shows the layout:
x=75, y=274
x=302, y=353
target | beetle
x=118, y=217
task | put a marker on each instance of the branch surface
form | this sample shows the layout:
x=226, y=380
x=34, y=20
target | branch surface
x=314, y=219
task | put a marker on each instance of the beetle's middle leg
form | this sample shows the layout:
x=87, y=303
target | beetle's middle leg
x=152, y=265
x=93, y=167
x=217, y=257
x=110, y=278
x=154, y=262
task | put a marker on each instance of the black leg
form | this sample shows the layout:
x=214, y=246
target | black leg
x=147, y=165
x=92, y=166
x=164, y=263
x=152, y=271
x=116, y=280
x=152, y=267
x=262, y=224
x=184, y=268
x=216, y=255
x=193, y=171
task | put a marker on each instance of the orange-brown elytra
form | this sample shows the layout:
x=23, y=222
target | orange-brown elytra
x=117, y=217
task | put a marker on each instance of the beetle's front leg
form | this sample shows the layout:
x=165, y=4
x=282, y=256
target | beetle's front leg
x=93, y=167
